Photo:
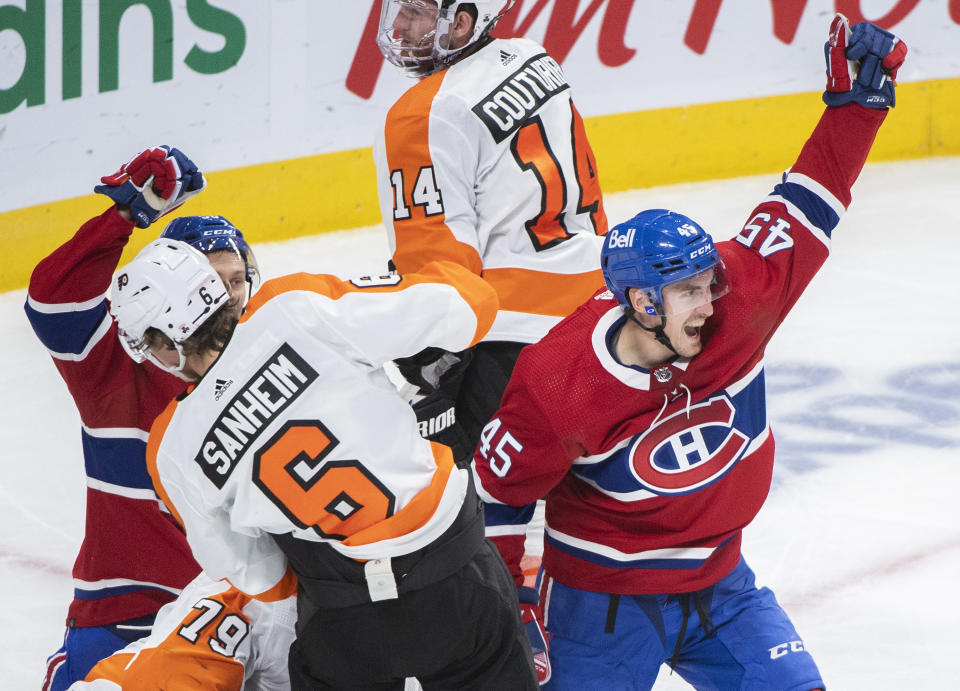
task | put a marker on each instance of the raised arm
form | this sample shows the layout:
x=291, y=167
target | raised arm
x=66, y=302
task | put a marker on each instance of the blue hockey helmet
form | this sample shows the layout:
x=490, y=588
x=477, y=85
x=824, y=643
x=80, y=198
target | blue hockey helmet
x=653, y=249
x=212, y=233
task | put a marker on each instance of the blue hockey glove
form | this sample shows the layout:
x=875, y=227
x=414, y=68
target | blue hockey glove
x=862, y=64
x=532, y=619
x=153, y=183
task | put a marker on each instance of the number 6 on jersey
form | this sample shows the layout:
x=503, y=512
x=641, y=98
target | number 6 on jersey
x=336, y=498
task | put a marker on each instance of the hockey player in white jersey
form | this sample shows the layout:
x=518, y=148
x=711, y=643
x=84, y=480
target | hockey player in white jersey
x=212, y=636
x=484, y=162
x=294, y=454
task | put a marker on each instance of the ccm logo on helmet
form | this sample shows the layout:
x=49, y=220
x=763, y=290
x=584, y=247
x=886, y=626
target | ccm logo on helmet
x=700, y=250
x=618, y=239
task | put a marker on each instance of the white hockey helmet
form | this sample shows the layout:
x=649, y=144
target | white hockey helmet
x=414, y=35
x=169, y=286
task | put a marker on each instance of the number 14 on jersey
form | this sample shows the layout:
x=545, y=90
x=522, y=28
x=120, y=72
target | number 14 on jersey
x=532, y=152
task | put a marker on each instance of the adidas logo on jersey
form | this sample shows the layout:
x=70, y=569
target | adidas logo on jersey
x=506, y=58
x=220, y=387
x=514, y=101
x=260, y=400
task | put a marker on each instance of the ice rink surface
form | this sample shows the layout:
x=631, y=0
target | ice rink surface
x=860, y=536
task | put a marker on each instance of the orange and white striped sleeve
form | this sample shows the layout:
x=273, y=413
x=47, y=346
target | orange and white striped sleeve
x=254, y=563
x=426, y=218
x=393, y=315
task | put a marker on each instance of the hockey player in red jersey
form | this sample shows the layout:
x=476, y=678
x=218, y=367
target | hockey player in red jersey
x=134, y=558
x=642, y=420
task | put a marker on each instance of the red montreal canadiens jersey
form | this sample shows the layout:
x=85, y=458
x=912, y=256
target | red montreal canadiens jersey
x=650, y=476
x=133, y=558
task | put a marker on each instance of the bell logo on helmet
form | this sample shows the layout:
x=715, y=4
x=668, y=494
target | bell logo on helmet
x=620, y=239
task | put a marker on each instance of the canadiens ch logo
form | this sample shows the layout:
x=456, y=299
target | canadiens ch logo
x=689, y=449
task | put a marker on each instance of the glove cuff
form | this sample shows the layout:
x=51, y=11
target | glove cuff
x=123, y=194
x=527, y=596
x=879, y=99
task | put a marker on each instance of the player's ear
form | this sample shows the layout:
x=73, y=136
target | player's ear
x=462, y=28
x=643, y=308
x=638, y=299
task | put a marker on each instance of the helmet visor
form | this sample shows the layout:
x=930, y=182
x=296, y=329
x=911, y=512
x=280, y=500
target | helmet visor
x=690, y=294
x=253, y=273
x=139, y=351
x=406, y=34
x=136, y=348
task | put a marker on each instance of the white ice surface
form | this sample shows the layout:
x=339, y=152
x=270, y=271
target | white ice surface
x=860, y=537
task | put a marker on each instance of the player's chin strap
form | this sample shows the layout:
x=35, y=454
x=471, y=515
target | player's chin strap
x=658, y=332
x=176, y=370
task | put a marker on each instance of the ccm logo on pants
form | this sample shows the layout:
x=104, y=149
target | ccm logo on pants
x=784, y=648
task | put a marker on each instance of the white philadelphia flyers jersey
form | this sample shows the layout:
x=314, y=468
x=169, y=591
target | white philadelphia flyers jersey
x=212, y=635
x=297, y=429
x=487, y=164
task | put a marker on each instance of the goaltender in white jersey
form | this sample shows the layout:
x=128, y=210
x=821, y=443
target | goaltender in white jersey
x=294, y=447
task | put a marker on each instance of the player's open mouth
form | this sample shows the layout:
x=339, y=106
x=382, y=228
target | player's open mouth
x=692, y=331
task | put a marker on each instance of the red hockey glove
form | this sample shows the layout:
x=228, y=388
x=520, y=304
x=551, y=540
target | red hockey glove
x=153, y=183
x=862, y=64
x=532, y=619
